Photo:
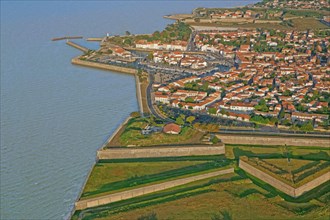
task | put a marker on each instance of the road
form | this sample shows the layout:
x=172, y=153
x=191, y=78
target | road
x=150, y=102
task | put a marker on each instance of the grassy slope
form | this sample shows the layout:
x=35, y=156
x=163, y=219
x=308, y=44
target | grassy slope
x=201, y=200
x=114, y=177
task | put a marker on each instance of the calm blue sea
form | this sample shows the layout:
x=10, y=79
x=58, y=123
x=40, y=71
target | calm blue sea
x=54, y=116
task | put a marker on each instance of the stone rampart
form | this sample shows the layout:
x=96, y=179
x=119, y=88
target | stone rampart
x=278, y=184
x=160, y=151
x=273, y=140
x=312, y=184
x=103, y=66
x=102, y=200
x=268, y=21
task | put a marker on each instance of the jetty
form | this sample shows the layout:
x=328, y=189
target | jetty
x=67, y=38
x=95, y=39
x=77, y=46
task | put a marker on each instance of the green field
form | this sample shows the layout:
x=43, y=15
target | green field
x=232, y=193
x=238, y=195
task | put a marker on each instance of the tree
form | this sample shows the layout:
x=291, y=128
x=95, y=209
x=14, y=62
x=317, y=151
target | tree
x=135, y=114
x=287, y=93
x=307, y=126
x=139, y=73
x=128, y=41
x=152, y=120
x=150, y=56
x=179, y=121
x=156, y=34
x=223, y=111
x=212, y=111
x=262, y=102
x=214, y=140
x=190, y=119
x=189, y=99
x=127, y=33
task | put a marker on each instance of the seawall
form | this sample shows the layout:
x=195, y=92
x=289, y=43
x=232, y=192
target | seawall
x=273, y=140
x=287, y=189
x=93, y=202
x=160, y=151
x=80, y=62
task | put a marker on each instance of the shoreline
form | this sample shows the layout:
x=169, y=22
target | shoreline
x=108, y=140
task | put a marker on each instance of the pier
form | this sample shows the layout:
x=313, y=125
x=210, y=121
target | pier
x=66, y=38
x=77, y=46
x=95, y=39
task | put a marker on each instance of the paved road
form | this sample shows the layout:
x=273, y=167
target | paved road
x=278, y=133
x=150, y=102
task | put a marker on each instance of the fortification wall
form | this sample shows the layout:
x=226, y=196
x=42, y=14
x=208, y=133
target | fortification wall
x=312, y=184
x=286, y=188
x=77, y=61
x=266, y=178
x=161, y=151
x=233, y=20
x=268, y=21
x=272, y=140
x=102, y=200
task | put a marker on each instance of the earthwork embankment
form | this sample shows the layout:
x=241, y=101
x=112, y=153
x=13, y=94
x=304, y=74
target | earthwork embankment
x=284, y=187
x=160, y=151
x=102, y=200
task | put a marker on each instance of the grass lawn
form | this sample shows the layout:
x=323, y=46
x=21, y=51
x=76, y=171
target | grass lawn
x=132, y=136
x=285, y=165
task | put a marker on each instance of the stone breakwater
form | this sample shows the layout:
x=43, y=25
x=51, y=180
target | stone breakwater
x=273, y=140
x=287, y=189
x=102, y=200
x=160, y=151
x=103, y=66
x=77, y=46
